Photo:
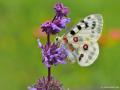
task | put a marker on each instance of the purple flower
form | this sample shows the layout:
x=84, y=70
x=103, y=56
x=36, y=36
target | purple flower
x=32, y=88
x=61, y=22
x=50, y=27
x=53, y=55
x=54, y=26
x=43, y=84
x=61, y=10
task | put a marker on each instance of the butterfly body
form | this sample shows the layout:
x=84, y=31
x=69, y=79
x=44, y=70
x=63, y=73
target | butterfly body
x=81, y=40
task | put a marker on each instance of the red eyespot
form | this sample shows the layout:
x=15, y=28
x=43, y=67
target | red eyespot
x=75, y=39
x=65, y=39
x=85, y=47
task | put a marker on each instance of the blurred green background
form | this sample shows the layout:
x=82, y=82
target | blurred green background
x=20, y=58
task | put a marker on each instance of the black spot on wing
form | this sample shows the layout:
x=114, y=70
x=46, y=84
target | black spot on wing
x=89, y=17
x=93, y=24
x=82, y=21
x=92, y=53
x=86, y=25
x=72, y=32
x=81, y=56
x=79, y=27
x=89, y=57
x=93, y=31
x=93, y=27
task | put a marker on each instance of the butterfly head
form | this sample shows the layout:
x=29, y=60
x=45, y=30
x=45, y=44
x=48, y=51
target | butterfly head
x=58, y=39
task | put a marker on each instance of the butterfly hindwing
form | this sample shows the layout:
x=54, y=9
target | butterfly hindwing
x=87, y=57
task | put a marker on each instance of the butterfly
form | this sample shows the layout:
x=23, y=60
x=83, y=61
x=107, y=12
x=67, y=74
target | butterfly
x=81, y=40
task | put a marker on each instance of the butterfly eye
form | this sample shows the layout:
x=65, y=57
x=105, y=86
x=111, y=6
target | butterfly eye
x=75, y=39
x=85, y=47
x=57, y=39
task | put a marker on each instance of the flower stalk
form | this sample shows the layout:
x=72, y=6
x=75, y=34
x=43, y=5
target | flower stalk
x=49, y=68
x=48, y=40
x=57, y=23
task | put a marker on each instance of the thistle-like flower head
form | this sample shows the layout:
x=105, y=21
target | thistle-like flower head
x=43, y=84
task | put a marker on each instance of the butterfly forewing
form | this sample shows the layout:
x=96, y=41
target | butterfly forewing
x=91, y=25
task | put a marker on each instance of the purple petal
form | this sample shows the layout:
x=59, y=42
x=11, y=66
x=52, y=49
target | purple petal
x=55, y=27
x=61, y=10
x=32, y=88
x=60, y=61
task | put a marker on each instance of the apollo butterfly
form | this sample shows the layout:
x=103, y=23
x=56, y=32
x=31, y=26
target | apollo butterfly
x=81, y=40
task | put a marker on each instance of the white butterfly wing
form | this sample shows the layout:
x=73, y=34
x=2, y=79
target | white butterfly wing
x=86, y=32
x=88, y=57
x=83, y=38
x=91, y=25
